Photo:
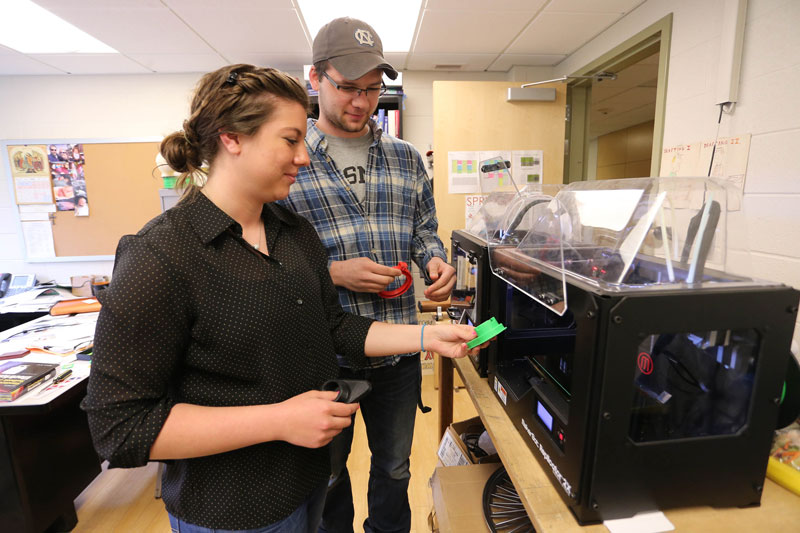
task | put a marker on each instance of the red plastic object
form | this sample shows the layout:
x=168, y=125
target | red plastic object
x=394, y=293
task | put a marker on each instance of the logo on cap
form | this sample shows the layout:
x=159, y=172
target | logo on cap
x=364, y=37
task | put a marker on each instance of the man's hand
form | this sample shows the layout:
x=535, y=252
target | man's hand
x=444, y=278
x=362, y=274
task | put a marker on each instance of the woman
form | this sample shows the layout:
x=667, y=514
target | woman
x=221, y=321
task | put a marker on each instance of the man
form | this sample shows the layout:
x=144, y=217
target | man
x=370, y=199
x=52, y=156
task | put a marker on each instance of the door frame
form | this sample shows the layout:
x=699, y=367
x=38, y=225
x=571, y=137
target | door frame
x=630, y=51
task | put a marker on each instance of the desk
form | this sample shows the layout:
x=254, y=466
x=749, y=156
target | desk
x=779, y=510
x=46, y=456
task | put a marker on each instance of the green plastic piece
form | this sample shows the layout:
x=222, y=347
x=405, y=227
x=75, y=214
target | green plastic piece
x=486, y=331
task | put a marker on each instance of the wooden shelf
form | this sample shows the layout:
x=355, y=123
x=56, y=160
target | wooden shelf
x=779, y=510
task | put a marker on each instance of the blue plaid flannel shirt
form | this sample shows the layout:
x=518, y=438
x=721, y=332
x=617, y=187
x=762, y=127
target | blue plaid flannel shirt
x=396, y=222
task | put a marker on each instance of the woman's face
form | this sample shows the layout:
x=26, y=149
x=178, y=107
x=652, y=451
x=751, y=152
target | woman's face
x=272, y=156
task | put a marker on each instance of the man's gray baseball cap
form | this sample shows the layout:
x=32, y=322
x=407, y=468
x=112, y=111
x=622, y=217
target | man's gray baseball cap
x=352, y=47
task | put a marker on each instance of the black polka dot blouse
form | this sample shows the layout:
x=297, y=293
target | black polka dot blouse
x=194, y=314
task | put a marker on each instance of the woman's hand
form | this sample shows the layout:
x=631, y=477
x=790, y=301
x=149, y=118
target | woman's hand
x=312, y=419
x=450, y=340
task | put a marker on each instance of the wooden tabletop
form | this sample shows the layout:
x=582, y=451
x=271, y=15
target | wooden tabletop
x=779, y=510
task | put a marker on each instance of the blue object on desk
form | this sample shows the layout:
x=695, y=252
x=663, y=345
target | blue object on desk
x=85, y=355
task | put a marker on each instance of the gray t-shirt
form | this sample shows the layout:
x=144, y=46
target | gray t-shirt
x=350, y=155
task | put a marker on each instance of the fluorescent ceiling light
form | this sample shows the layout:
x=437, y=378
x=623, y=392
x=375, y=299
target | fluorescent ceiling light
x=30, y=29
x=394, y=21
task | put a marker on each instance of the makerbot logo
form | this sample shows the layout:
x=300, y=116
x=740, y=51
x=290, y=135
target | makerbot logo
x=645, y=363
x=364, y=38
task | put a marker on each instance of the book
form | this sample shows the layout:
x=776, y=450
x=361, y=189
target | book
x=392, y=122
x=17, y=378
x=382, y=119
x=72, y=306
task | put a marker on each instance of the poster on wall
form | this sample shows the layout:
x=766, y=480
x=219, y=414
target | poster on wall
x=472, y=205
x=69, y=182
x=724, y=158
x=464, y=174
x=28, y=161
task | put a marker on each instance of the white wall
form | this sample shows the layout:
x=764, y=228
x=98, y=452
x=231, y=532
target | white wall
x=135, y=106
x=768, y=109
x=82, y=107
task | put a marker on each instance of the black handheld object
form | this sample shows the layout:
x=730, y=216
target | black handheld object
x=350, y=390
x=494, y=167
x=705, y=238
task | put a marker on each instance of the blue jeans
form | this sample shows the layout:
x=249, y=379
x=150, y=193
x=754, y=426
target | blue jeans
x=305, y=519
x=389, y=413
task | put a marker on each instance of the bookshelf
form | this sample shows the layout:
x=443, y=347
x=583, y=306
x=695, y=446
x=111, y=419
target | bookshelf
x=391, y=102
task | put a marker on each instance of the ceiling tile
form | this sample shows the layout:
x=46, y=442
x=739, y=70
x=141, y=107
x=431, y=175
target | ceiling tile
x=396, y=59
x=170, y=63
x=593, y=6
x=235, y=29
x=637, y=75
x=220, y=5
x=529, y=6
x=626, y=100
x=285, y=62
x=467, y=32
x=506, y=61
x=12, y=63
x=561, y=33
x=468, y=62
x=144, y=27
x=201, y=35
x=92, y=63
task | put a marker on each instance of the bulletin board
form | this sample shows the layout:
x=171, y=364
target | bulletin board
x=122, y=184
x=474, y=115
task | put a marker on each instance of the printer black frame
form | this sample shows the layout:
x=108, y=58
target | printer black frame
x=476, y=251
x=598, y=470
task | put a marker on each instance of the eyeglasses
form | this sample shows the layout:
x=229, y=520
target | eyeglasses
x=353, y=92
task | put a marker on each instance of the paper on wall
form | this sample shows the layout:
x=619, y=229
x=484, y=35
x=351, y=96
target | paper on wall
x=37, y=208
x=729, y=163
x=33, y=190
x=38, y=239
x=464, y=176
x=526, y=167
x=462, y=172
x=27, y=217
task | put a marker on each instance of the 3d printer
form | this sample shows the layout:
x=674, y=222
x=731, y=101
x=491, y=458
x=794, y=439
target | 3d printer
x=640, y=371
x=470, y=247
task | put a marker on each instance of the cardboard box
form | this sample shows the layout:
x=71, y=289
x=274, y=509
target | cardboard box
x=453, y=451
x=458, y=497
x=427, y=362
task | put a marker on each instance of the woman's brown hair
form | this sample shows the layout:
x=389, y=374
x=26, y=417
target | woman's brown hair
x=236, y=99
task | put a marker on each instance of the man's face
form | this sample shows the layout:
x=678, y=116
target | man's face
x=342, y=111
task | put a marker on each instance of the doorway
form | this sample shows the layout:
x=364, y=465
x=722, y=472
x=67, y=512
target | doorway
x=615, y=122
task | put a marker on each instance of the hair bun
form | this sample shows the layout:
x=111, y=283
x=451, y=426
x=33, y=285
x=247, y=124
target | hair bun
x=179, y=152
